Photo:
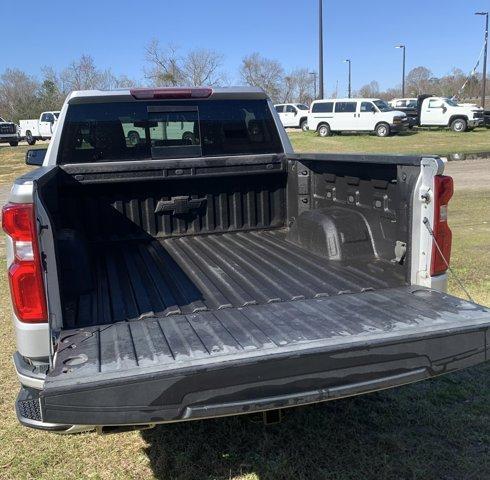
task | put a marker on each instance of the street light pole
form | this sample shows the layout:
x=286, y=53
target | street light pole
x=403, y=69
x=348, y=60
x=314, y=84
x=484, y=59
x=320, y=46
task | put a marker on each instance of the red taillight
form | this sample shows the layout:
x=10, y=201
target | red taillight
x=25, y=272
x=443, y=191
x=17, y=221
x=170, y=93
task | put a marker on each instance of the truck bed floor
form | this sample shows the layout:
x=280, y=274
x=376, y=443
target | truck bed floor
x=213, y=272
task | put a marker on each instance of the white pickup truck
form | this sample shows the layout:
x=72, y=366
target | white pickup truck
x=445, y=112
x=41, y=128
x=293, y=115
x=9, y=133
x=207, y=270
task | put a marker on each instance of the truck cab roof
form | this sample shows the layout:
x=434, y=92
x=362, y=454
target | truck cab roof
x=126, y=94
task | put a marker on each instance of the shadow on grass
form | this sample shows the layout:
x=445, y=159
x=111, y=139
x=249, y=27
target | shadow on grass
x=433, y=430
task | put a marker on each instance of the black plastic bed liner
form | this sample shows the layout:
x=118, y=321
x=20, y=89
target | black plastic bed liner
x=212, y=272
x=260, y=357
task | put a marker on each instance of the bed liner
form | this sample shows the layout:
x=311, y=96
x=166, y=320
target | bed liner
x=189, y=274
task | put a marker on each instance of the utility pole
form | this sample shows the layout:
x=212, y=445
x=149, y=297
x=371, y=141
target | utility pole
x=314, y=84
x=320, y=46
x=403, y=69
x=484, y=59
x=348, y=60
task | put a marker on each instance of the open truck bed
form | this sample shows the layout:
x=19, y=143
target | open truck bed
x=207, y=270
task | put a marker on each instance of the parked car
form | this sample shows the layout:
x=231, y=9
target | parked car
x=9, y=133
x=39, y=129
x=293, y=115
x=445, y=112
x=409, y=107
x=182, y=278
x=355, y=115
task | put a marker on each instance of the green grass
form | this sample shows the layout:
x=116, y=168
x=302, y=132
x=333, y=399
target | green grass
x=437, y=429
x=436, y=142
x=12, y=162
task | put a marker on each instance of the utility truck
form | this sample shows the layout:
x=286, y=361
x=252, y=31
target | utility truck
x=39, y=129
x=446, y=112
x=184, y=277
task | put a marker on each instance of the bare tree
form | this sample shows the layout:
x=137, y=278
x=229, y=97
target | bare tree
x=391, y=93
x=419, y=80
x=369, y=90
x=202, y=67
x=18, y=95
x=123, y=81
x=165, y=69
x=264, y=73
x=298, y=86
x=305, y=86
x=83, y=74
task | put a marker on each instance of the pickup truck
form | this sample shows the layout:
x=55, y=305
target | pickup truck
x=409, y=107
x=445, y=112
x=185, y=277
x=293, y=115
x=9, y=133
x=39, y=129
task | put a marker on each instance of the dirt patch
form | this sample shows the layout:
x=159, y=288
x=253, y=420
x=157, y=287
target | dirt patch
x=470, y=174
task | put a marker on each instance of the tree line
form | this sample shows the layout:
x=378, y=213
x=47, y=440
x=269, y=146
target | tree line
x=23, y=95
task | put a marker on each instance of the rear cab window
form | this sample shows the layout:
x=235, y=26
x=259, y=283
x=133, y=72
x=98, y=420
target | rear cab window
x=145, y=130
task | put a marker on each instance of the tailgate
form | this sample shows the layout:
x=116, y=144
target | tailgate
x=238, y=360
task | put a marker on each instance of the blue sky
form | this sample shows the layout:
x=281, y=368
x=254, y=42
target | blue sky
x=439, y=34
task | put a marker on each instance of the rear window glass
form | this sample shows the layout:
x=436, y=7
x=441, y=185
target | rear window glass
x=118, y=131
x=345, y=107
x=322, y=107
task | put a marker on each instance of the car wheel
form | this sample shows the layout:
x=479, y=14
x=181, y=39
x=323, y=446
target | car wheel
x=13, y=144
x=133, y=138
x=29, y=138
x=304, y=125
x=324, y=130
x=459, y=125
x=382, y=130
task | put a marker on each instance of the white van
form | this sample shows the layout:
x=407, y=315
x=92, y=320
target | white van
x=355, y=115
x=293, y=115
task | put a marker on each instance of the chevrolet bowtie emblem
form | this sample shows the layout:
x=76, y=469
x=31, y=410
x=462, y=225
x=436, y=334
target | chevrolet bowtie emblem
x=179, y=205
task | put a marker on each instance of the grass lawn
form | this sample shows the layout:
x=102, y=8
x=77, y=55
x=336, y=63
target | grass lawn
x=436, y=142
x=437, y=429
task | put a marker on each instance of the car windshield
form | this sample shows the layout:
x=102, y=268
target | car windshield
x=451, y=102
x=302, y=106
x=382, y=106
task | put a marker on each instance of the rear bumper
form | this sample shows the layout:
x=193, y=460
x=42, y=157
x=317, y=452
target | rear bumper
x=262, y=384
